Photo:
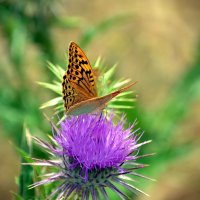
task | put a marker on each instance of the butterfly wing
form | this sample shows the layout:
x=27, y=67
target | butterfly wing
x=78, y=82
x=95, y=104
x=79, y=73
x=70, y=95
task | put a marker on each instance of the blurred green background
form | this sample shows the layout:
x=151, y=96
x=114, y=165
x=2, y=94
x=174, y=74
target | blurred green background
x=155, y=42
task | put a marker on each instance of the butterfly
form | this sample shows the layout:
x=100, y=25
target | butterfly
x=79, y=87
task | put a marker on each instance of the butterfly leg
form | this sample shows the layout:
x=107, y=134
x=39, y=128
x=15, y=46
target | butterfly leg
x=100, y=117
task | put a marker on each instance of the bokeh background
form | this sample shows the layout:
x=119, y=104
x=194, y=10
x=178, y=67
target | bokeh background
x=155, y=42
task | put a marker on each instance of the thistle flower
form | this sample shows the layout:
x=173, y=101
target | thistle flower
x=91, y=154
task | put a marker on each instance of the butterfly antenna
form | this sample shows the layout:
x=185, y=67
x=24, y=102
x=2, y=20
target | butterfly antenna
x=123, y=89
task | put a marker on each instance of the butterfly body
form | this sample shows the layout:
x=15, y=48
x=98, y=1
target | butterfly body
x=79, y=87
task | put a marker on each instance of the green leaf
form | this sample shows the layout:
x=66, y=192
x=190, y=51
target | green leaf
x=57, y=70
x=54, y=87
x=108, y=74
x=18, y=42
x=52, y=102
x=26, y=172
x=119, y=106
x=121, y=83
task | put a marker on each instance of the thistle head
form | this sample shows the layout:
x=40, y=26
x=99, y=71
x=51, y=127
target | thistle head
x=91, y=154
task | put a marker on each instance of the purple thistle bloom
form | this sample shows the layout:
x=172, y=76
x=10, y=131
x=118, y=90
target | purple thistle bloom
x=91, y=153
x=95, y=142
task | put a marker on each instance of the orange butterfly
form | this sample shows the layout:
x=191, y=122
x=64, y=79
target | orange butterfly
x=79, y=87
